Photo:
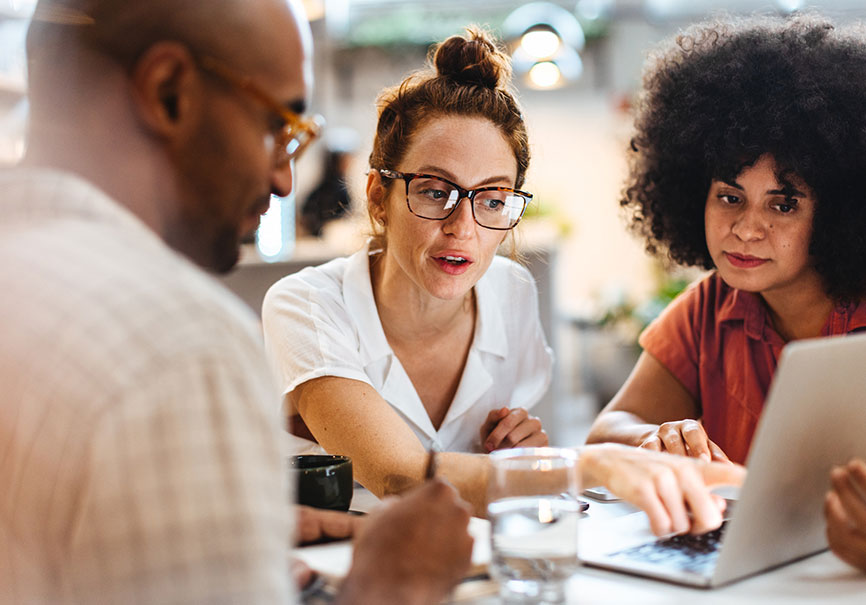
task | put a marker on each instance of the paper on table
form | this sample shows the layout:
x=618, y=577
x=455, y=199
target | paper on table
x=333, y=560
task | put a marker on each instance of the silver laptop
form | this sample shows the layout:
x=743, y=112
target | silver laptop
x=814, y=418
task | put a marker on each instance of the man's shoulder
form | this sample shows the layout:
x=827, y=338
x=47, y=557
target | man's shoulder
x=94, y=312
x=188, y=307
x=100, y=283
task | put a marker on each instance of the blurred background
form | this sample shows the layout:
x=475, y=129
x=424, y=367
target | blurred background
x=577, y=71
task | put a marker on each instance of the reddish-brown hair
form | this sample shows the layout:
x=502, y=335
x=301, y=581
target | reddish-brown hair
x=466, y=76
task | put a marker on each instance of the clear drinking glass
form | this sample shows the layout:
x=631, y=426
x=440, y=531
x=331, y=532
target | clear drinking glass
x=533, y=509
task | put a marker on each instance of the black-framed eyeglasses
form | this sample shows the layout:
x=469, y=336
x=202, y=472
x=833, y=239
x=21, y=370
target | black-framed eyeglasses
x=297, y=132
x=434, y=198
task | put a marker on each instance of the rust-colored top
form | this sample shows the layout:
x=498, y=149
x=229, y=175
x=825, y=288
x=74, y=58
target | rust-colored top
x=720, y=344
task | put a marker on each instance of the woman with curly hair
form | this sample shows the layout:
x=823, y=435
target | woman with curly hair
x=749, y=160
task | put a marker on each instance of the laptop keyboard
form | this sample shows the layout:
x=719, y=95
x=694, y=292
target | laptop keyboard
x=687, y=552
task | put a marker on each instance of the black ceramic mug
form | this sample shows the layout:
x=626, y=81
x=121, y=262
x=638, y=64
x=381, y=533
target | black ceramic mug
x=322, y=481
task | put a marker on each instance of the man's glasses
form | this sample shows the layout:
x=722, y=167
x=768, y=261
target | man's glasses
x=435, y=198
x=297, y=132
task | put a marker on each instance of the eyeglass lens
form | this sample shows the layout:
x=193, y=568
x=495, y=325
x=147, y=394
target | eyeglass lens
x=433, y=198
x=291, y=144
x=295, y=137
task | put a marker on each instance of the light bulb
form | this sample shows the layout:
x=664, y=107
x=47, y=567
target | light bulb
x=545, y=74
x=540, y=43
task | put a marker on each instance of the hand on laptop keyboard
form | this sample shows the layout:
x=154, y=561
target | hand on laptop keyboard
x=672, y=490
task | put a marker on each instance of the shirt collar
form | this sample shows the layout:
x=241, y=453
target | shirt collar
x=846, y=319
x=490, y=337
x=490, y=333
x=746, y=307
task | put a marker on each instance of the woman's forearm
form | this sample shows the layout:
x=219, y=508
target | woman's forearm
x=469, y=474
x=617, y=426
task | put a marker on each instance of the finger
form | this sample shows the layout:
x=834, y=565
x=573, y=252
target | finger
x=536, y=439
x=834, y=512
x=341, y=525
x=671, y=495
x=843, y=527
x=653, y=443
x=672, y=439
x=306, y=524
x=722, y=473
x=646, y=497
x=857, y=475
x=301, y=573
x=849, y=497
x=697, y=443
x=315, y=524
x=845, y=548
x=525, y=429
x=716, y=453
x=505, y=426
x=705, y=508
x=493, y=418
x=845, y=541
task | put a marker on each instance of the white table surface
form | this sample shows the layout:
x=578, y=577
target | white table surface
x=818, y=579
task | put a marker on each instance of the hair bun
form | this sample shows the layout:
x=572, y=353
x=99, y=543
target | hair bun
x=473, y=59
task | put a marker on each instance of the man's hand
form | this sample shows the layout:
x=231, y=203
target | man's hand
x=845, y=510
x=318, y=525
x=412, y=550
x=506, y=428
x=672, y=490
x=686, y=438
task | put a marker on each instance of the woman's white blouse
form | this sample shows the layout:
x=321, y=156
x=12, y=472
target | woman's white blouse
x=323, y=321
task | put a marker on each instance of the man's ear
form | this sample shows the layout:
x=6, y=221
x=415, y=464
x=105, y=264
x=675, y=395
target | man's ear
x=165, y=87
x=376, y=195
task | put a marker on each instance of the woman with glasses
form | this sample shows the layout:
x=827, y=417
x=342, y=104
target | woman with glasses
x=426, y=339
x=427, y=316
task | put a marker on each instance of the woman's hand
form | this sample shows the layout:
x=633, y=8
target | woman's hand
x=506, y=428
x=674, y=491
x=845, y=510
x=686, y=438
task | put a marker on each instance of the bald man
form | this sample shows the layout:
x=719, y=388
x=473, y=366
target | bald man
x=139, y=428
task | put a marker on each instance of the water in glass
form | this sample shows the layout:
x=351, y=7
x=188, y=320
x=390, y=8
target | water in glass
x=533, y=513
x=534, y=540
